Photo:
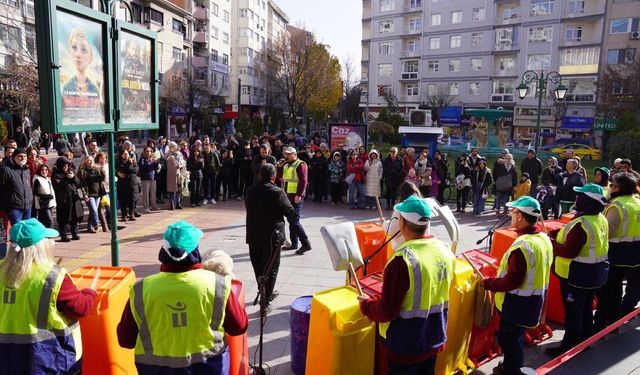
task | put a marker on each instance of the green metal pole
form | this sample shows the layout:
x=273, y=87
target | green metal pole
x=115, y=256
x=541, y=90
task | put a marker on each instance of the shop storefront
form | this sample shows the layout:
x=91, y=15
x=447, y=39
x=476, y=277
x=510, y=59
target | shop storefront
x=576, y=127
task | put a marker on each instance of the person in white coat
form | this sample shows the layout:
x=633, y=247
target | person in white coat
x=44, y=197
x=373, y=170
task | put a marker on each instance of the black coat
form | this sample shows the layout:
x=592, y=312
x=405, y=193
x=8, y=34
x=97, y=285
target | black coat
x=319, y=168
x=533, y=167
x=267, y=205
x=482, y=177
x=15, y=187
x=128, y=187
x=392, y=171
x=256, y=163
x=68, y=202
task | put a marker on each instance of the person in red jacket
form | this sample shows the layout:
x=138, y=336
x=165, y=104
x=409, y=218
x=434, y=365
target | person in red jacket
x=355, y=179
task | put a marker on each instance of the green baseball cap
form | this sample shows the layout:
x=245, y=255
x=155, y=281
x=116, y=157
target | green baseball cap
x=182, y=235
x=414, y=210
x=29, y=232
x=527, y=205
x=592, y=191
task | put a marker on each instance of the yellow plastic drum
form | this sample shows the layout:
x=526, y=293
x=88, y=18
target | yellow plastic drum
x=341, y=339
x=455, y=357
x=101, y=352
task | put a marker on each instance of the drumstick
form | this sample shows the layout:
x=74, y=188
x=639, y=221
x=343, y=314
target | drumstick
x=379, y=209
x=355, y=278
x=96, y=277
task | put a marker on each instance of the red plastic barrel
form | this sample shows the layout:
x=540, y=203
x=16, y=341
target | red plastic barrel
x=238, y=345
x=372, y=286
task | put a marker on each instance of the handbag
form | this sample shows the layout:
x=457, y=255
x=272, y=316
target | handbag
x=504, y=183
x=460, y=183
x=349, y=179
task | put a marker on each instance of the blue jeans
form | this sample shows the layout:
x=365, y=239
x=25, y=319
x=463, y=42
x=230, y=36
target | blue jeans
x=478, y=202
x=427, y=367
x=175, y=197
x=93, y=203
x=16, y=215
x=501, y=200
x=359, y=187
x=296, y=231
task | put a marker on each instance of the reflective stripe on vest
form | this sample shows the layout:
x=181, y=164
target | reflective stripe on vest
x=538, y=254
x=290, y=177
x=595, y=248
x=436, y=260
x=148, y=357
x=46, y=326
x=628, y=207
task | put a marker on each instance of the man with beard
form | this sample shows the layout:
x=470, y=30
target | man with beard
x=15, y=187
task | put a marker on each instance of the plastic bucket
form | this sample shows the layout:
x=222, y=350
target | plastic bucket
x=300, y=315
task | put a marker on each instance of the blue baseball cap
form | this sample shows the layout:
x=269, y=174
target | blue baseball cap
x=29, y=232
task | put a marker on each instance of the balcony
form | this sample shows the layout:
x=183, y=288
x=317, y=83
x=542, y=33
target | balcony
x=505, y=72
x=366, y=32
x=512, y=19
x=200, y=14
x=503, y=98
x=409, y=98
x=367, y=12
x=200, y=61
x=592, y=9
x=201, y=37
x=411, y=31
x=408, y=8
x=505, y=47
x=409, y=76
x=579, y=42
x=410, y=54
x=364, y=78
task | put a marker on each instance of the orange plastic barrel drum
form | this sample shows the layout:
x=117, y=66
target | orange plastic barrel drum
x=567, y=217
x=238, y=345
x=101, y=352
x=555, y=307
x=501, y=241
x=371, y=236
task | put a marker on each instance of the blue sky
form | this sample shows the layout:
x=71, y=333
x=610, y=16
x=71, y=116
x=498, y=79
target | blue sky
x=337, y=23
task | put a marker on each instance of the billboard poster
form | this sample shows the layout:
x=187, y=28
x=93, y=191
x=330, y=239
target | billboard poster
x=135, y=78
x=81, y=70
x=351, y=135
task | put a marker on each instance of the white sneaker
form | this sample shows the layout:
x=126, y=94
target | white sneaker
x=212, y=201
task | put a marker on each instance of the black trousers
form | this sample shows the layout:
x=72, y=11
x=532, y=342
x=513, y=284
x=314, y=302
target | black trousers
x=392, y=195
x=511, y=340
x=578, y=314
x=45, y=216
x=260, y=253
x=611, y=304
x=462, y=198
x=336, y=192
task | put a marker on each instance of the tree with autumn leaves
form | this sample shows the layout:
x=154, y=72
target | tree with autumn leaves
x=302, y=74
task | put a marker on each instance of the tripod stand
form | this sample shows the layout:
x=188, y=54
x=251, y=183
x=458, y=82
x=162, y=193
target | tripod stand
x=492, y=230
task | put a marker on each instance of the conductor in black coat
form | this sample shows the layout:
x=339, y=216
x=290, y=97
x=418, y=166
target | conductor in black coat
x=267, y=205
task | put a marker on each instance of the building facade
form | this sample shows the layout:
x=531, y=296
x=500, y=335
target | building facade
x=477, y=51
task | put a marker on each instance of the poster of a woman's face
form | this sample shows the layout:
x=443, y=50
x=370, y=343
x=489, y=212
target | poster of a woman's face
x=81, y=70
x=135, y=78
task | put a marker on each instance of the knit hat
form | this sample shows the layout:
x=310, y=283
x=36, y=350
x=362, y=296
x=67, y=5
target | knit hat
x=19, y=151
x=29, y=232
x=414, y=210
x=592, y=191
x=526, y=204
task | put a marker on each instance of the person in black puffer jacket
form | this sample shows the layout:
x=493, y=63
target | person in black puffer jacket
x=15, y=187
x=68, y=194
x=392, y=171
x=127, y=185
x=566, y=182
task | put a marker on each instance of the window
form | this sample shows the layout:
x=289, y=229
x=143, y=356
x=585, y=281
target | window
x=9, y=2
x=573, y=33
x=621, y=56
x=387, y=5
x=214, y=55
x=542, y=7
x=456, y=16
x=433, y=66
x=225, y=38
x=152, y=15
x=386, y=26
x=10, y=37
x=617, y=88
x=385, y=48
x=476, y=64
x=243, y=13
x=412, y=89
x=214, y=9
x=510, y=14
x=136, y=9
x=385, y=70
x=502, y=90
x=432, y=89
x=474, y=88
x=200, y=73
x=415, y=3
x=410, y=69
x=434, y=43
x=225, y=59
x=413, y=47
x=177, y=26
x=415, y=24
x=214, y=32
x=540, y=34
x=454, y=89
x=575, y=6
x=506, y=39
x=478, y=14
x=506, y=63
x=177, y=54
x=246, y=90
x=30, y=38
x=454, y=65
x=436, y=18
x=623, y=25
x=580, y=56
x=225, y=16
x=581, y=89
x=476, y=39
x=539, y=61
x=455, y=41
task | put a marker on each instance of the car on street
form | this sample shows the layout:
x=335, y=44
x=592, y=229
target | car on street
x=583, y=151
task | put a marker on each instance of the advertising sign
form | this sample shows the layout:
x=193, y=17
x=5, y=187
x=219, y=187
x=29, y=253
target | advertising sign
x=351, y=136
x=605, y=125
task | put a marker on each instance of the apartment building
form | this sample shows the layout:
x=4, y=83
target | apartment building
x=253, y=23
x=477, y=51
x=17, y=31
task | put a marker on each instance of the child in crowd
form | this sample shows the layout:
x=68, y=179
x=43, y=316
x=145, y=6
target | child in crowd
x=523, y=187
x=412, y=177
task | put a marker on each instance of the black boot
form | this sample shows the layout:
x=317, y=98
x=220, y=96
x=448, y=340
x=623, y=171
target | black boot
x=172, y=205
x=123, y=213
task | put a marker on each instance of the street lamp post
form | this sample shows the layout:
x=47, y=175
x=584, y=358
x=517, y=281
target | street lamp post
x=541, y=90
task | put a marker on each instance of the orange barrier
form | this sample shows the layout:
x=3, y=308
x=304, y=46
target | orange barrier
x=238, y=345
x=555, y=306
x=102, y=353
x=567, y=217
x=370, y=236
x=566, y=356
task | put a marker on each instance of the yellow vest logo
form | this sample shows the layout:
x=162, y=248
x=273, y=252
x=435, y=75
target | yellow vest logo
x=178, y=314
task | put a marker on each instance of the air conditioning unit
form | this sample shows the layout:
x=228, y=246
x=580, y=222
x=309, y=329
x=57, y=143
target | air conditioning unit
x=635, y=35
x=420, y=117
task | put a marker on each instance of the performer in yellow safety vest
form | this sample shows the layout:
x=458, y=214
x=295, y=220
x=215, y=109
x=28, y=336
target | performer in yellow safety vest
x=581, y=249
x=176, y=319
x=413, y=306
x=522, y=282
x=623, y=216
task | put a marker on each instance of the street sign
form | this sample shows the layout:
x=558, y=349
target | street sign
x=605, y=125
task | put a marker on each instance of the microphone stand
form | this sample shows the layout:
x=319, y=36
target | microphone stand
x=492, y=230
x=262, y=285
x=367, y=259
